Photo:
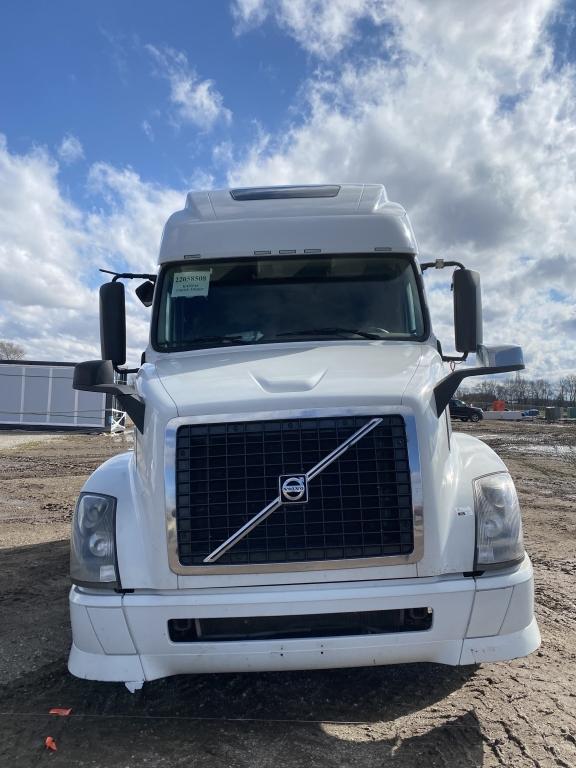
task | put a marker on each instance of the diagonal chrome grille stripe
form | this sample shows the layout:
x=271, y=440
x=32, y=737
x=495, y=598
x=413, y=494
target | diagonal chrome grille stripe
x=274, y=505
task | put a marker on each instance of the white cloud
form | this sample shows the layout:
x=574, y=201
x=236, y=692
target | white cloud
x=148, y=130
x=50, y=252
x=322, y=27
x=131, y=225
x=472, y=129
x=70, y=149
x=196, y=101
x=463, y=117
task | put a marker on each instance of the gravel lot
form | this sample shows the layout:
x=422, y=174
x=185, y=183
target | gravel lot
x=521, y=713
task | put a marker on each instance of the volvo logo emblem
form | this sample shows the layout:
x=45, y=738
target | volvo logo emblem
x=293, y=488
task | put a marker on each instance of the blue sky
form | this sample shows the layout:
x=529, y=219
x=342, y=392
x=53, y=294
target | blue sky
x=85, y=69
x=110, y=112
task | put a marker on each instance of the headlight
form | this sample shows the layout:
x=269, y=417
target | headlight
x=93, y=547
x=498, y=522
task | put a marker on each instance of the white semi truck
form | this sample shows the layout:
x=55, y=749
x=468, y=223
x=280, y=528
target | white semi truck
x=296, y=497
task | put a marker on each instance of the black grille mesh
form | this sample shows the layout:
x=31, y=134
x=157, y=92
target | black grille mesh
x=360, y=506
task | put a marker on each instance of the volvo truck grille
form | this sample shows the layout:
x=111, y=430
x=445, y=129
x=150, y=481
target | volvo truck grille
x=359, y=506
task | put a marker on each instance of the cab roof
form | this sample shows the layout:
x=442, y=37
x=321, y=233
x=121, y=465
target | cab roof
x=251, y=221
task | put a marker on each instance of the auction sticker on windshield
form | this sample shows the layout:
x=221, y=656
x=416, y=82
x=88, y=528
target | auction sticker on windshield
x=191, y=284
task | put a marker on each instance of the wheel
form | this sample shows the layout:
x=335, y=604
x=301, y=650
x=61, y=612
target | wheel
x=475, y=417
x=464, y=418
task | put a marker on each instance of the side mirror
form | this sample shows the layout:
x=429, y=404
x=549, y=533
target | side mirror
x=145, y=293
x=113, y=323
x=467, y=310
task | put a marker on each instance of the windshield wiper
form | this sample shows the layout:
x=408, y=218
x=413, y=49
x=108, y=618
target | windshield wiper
x=218, y=340
x=332, y=332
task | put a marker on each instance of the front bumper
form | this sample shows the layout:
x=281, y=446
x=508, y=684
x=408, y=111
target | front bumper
x=125, y=637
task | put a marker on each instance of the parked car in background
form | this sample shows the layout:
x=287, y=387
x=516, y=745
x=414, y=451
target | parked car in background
x=531, y=412
x=460, y=410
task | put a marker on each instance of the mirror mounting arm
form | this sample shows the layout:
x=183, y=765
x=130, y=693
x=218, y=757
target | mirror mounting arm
x=97, y=376
x=129, y=275
x=440, y=264
x=455, y=358
x=445, y=388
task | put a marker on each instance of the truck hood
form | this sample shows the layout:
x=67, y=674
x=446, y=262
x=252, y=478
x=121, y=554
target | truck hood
x=283, y=376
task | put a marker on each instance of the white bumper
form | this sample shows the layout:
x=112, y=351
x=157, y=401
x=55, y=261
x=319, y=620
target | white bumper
x=125, y=637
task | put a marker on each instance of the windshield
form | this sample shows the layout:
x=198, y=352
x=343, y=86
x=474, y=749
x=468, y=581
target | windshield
x=254, y=301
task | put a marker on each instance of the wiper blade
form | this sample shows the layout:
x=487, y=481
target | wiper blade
x=219, y=340
x=332, y=332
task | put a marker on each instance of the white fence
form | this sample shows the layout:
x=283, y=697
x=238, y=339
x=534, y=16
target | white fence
x=40, y=394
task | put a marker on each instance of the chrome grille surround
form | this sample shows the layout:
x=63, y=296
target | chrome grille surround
x=278, y=567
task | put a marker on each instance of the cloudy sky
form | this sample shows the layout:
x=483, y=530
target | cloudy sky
x=111, y=111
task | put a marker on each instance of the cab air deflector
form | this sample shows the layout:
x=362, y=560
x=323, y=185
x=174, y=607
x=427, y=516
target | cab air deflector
x=284, y=193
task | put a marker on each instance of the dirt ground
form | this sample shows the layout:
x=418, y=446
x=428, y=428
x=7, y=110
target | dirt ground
x=521, y=713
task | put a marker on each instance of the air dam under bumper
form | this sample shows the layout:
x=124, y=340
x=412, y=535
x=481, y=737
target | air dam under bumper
x=125, y=637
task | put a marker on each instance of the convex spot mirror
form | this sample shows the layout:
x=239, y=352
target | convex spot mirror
x=145, y=293
x=502, y=356
x=467, y=310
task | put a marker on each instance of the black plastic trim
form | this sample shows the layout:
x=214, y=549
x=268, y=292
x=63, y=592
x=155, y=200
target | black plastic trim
x=502, y=566
x=98, y=376
x=292, y=627
x=432, y=264
x=444, y=390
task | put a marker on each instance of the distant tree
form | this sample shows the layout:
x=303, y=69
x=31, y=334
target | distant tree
x=519, y=392
x=568, y=387
x=10, y=351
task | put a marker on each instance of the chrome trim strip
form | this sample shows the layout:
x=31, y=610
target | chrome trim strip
x=273, y=505
x=352, y=440
x=244, y=531
x=308, y=413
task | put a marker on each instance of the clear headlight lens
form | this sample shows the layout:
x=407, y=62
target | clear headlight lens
x=93, y=547
x=499, y=538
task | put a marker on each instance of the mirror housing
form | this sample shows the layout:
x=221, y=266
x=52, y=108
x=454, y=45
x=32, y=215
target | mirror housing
x=93, y=373
x=501, y=356
x=145, y=293
x=113, y=323
x=467, y=310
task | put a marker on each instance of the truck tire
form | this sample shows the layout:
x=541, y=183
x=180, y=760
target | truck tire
x=475, y=417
